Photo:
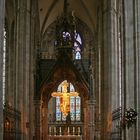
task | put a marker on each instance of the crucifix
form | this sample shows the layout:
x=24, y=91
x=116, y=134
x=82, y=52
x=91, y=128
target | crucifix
x=64, y=98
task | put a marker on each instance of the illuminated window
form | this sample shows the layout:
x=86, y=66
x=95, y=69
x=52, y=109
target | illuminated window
x=77, y=43
x=77, y=46
x=58, y=113
x=4, y=64
x=66, y=36
x=75, y=106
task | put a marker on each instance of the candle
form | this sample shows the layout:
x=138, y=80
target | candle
x=60, y=131
x=78, y=129
x=68, y=131
x=55, y=131
x=49, y=129
x=73, y=130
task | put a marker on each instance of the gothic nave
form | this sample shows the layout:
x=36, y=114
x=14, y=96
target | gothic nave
x=69, y=69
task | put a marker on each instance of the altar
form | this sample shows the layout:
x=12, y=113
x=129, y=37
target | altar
x=65, y=137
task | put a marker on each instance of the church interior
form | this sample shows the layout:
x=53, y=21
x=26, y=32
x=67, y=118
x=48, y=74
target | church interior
x=69, y=69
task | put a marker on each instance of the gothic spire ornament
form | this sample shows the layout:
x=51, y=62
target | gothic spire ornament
x=65, y=28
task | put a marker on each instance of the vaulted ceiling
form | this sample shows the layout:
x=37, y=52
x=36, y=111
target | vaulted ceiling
x=85, y=10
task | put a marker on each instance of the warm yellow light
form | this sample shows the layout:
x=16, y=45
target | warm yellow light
x=64, y=98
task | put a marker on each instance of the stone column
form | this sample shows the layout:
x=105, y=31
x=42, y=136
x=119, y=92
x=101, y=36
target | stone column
x=137, y=67
x=34, y=32
x=2, y=17
x=98, y=73
x=24, y=96
x=23, y=75
x=45, y=122
x=37, y=104
x=86, y=114
x=109, y=67
x=131, y=24
x=91, y=105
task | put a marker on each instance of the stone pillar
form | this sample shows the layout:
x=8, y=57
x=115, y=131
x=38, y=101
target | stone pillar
x=109, y=67
x=131, y=24
x=86, y=114
x=44, y=122
x=34, y=31
x=91, y=105
x=23, y=73
x=98, y=74
x=2, y=17
x=37, y=104
x=137, y=67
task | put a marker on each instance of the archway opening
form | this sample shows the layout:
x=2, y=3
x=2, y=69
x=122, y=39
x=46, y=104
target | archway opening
x=58, y=123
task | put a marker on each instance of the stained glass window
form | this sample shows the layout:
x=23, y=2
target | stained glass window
x=77, y=46
x=66, y=35
x=75, y=106
x=72, y=108
x=58, y=113
x=77, y=43
x=78, y=102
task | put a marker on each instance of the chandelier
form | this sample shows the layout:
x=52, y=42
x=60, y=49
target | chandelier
x=64, y=96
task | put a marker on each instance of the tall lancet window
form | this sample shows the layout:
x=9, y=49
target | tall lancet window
x=75, y=106
x=4, y=64
x=77, y=46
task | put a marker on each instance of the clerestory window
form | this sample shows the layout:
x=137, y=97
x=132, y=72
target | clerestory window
x=4, y=64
